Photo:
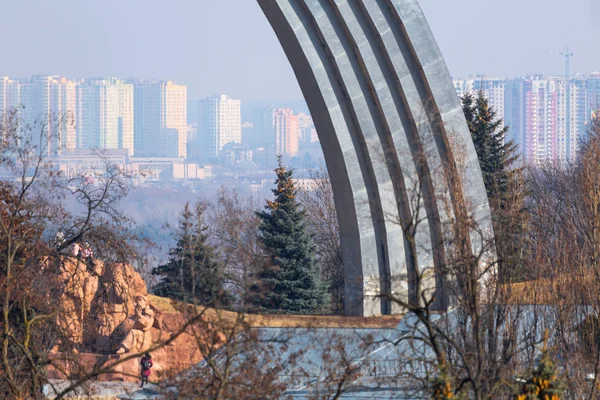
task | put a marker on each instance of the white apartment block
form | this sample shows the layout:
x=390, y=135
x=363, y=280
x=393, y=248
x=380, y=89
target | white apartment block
x=10, y=96
x=105, y=117
x=160, y=119
x=541, y=111
x=64, y=96
x=219, y=123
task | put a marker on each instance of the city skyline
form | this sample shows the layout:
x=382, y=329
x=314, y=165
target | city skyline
x=546, y=117
x=218, y=51
x=151, y=118
x=148, y=120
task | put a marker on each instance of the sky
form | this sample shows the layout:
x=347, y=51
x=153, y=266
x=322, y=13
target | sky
x=227, y=46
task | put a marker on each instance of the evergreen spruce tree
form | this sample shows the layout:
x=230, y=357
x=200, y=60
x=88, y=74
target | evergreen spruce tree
x=496, y=154
x=503, y=183
x=290, y=280
x=193, y=273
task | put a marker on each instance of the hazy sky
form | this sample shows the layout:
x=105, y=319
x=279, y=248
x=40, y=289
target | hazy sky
x=227, y=46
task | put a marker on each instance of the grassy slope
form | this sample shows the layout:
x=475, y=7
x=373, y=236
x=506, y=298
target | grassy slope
x=299, y=321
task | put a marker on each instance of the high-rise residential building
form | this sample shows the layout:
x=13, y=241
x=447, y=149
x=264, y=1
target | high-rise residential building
x=105, y=114
x=64, y=101
x=47, y=104
x=160, y=119
x=4, y=81
x=219, y=123
x=286, y=132
x=543, y=122
x=578, y=116
x=493, y=89
x=307, y=131
x=100, y=112
x=536, y=111
x=514, y=105
x=36, y=99
x=536, y=106
x=281, y=130
x=592, y=100
x=10, y=96
x=540, y=118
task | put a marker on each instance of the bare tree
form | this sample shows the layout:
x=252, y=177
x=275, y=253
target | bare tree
x=93, y=214
x=564, y=204
x=472, y=347
x=491, y=336
x=32, y=206
x=234, y=230
x=26, y=287
x=318, y=203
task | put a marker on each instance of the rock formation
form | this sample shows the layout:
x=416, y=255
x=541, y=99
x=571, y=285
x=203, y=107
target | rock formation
x=96, y=298
x=106, y=315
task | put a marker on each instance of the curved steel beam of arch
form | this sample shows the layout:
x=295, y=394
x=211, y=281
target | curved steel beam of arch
x=390, y=125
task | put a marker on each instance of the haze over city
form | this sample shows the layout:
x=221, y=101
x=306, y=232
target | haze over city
x=178, y=222
x=227, y=46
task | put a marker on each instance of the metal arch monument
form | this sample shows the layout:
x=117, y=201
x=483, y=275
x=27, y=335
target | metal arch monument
x=391, y=128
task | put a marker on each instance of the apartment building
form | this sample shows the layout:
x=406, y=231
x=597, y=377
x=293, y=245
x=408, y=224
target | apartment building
x=286, y=132
x=105, y=114
x=219, y=123
x=160, y=119
x=46, y=108
x=494, y=90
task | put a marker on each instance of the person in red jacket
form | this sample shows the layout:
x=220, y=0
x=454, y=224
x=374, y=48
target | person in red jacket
x=146, y=364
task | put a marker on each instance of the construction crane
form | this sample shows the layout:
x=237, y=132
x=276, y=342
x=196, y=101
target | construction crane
x=567, y=55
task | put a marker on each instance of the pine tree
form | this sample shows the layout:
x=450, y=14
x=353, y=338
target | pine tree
x=193, y=273
x=290, y=280
x=496, y=154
